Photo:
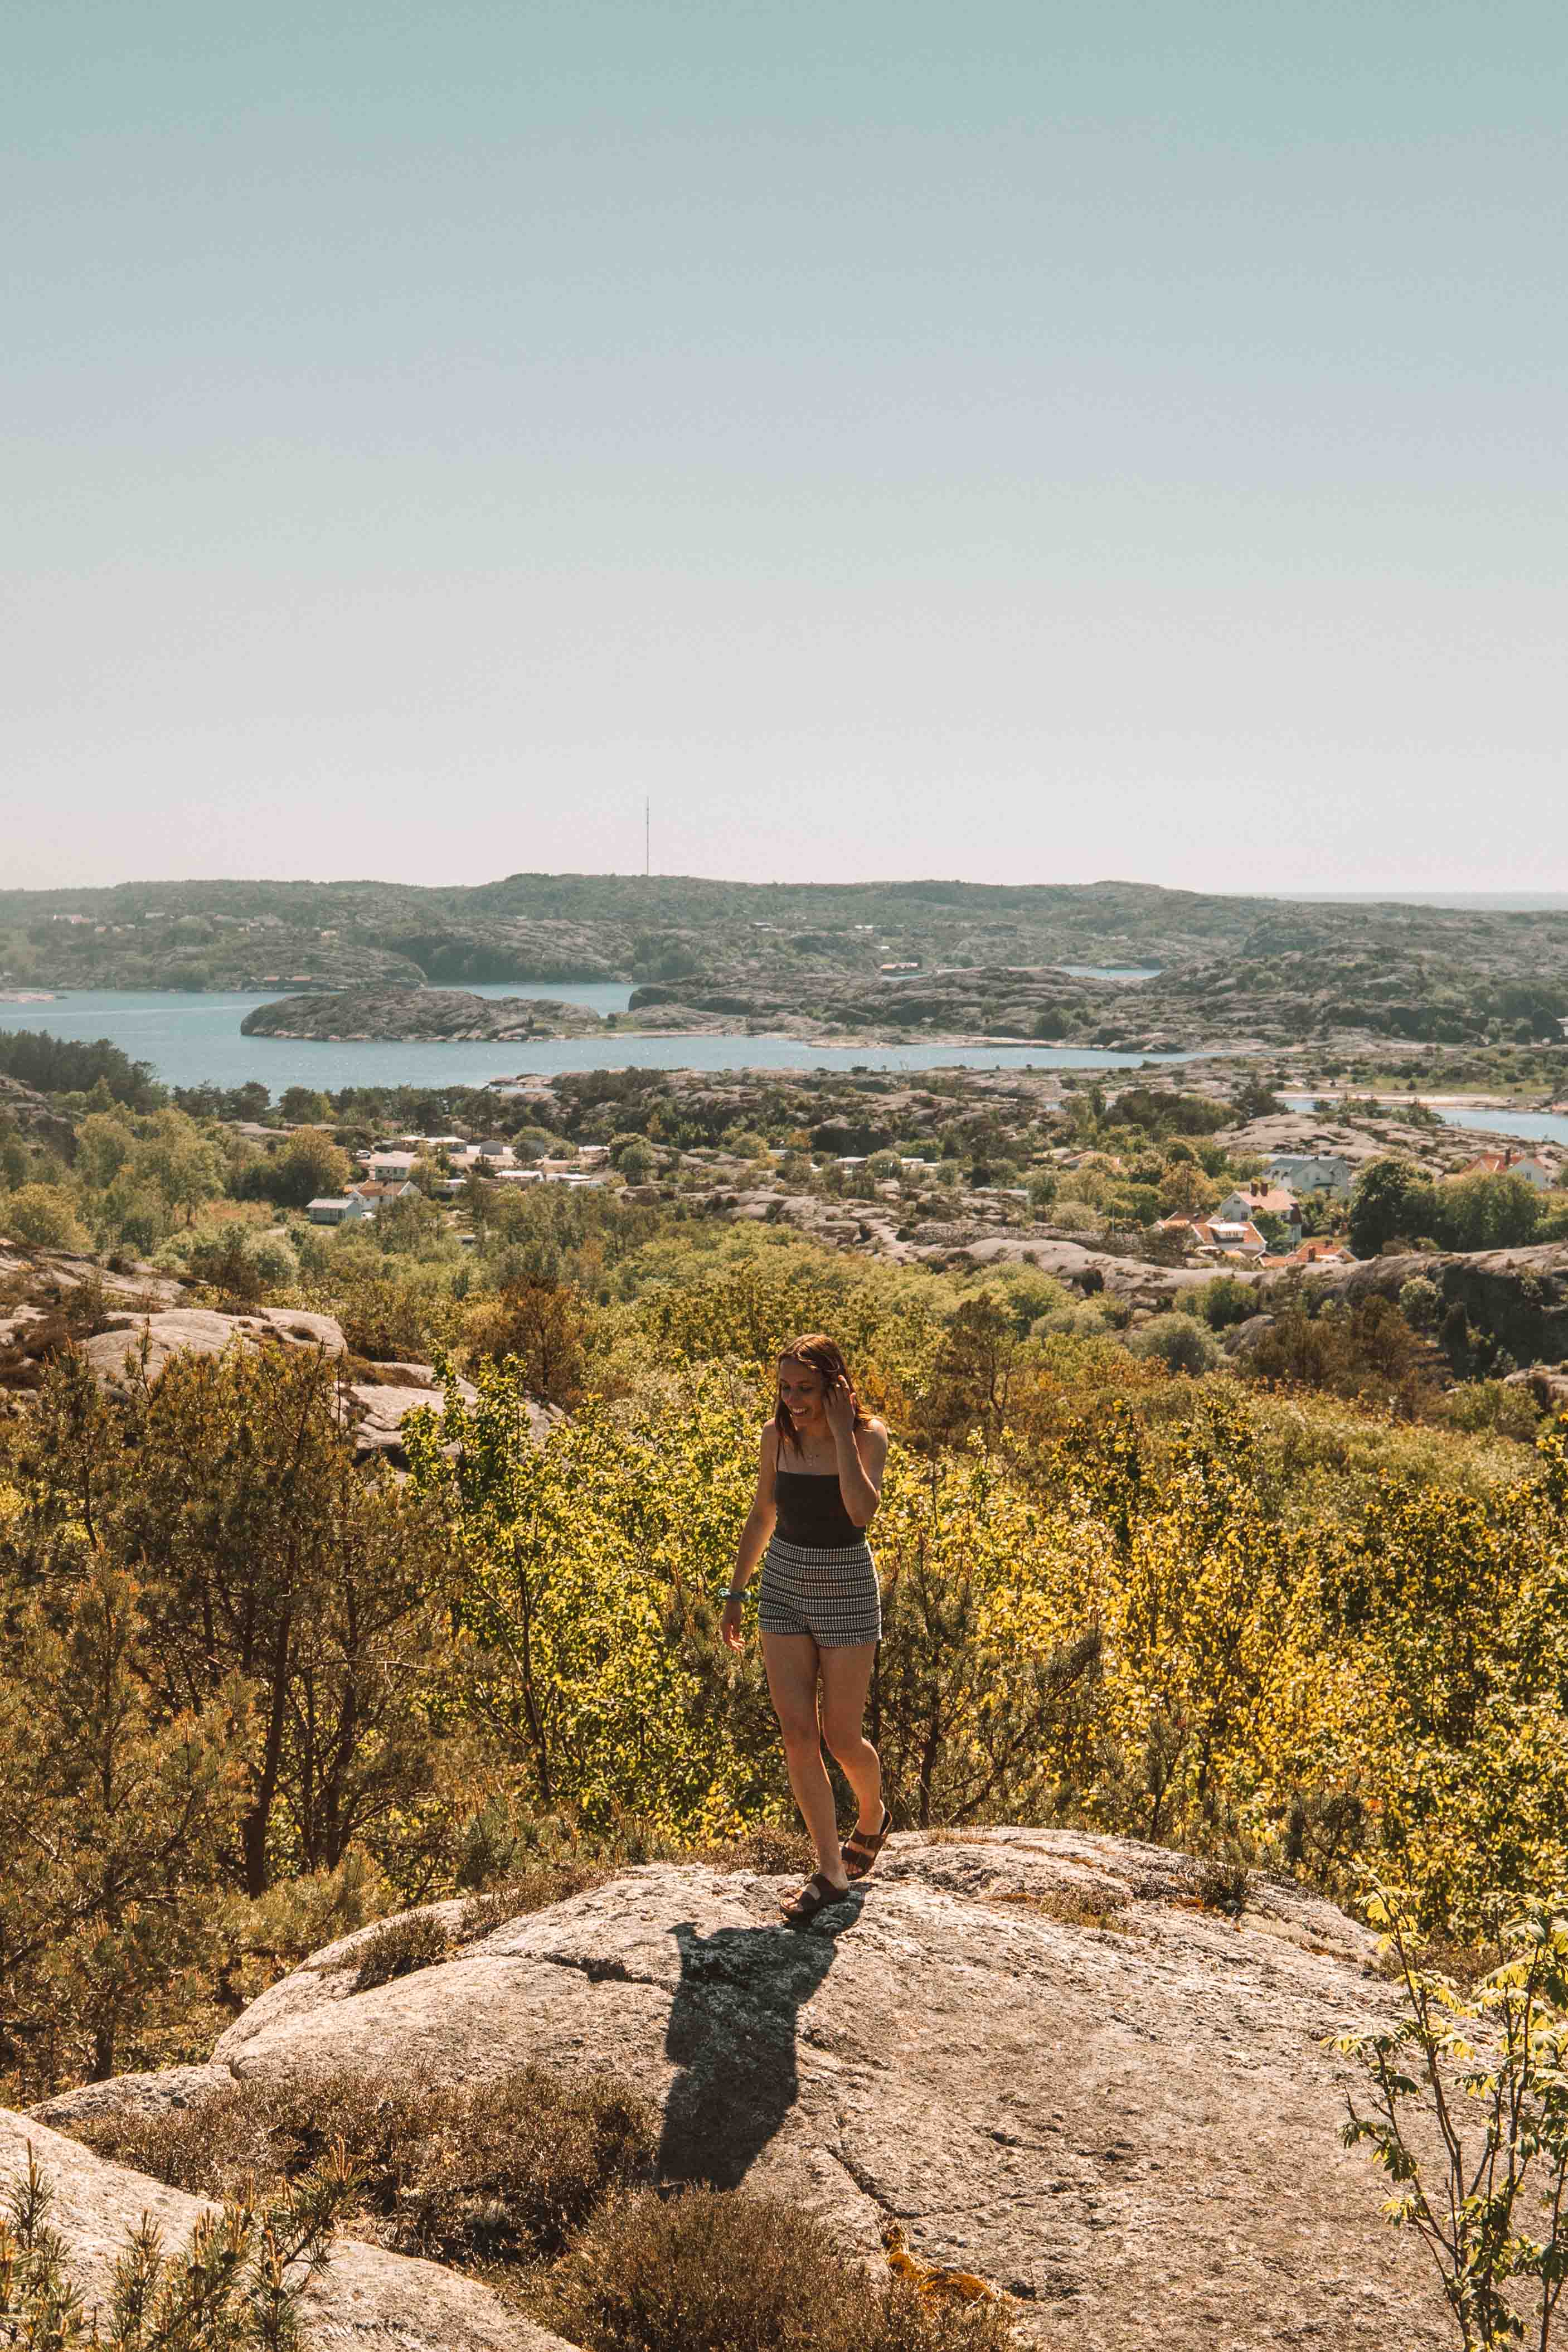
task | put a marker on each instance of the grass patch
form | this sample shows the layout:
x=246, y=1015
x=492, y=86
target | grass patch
x=717, y=2270
x=399, y=1947
x=490, y=2172
x=1222, y=1885
x=534, y=1888
x=1071, y=1909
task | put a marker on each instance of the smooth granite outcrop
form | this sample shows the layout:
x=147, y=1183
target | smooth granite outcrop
x=1039, y=2053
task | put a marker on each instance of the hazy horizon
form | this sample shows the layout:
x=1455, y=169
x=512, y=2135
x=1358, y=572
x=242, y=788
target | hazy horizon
x=901, y=442
x=1500, y=902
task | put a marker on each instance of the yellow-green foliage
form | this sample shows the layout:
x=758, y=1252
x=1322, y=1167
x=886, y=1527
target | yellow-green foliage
x=582, y=1566
x=749, y=1297
x=1135, y=1633
x=44, y=1214
x=1177, y=1608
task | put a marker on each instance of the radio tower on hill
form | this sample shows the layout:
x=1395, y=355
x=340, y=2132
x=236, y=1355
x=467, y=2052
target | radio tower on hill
x=647, y=837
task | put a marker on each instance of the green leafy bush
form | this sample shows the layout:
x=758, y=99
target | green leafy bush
x=44, y=1214
x=1177, y=1341
x=1226, y=1301
x=1486, y=2192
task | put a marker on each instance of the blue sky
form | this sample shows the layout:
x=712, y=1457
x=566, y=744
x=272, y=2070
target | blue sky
x=1017, y=442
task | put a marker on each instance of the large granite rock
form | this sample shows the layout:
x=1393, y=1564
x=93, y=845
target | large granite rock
x=374, y=1411
x=365, y=2301
x=203, y=1331
x=27, y=1112
x=1036, y=2050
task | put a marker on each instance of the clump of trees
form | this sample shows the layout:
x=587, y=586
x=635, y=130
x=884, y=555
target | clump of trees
x=77, y=1065
x=1394, y=1201
x=214, y=1677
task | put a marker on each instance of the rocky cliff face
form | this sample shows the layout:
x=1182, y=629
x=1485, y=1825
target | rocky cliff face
x=1038, y=2052
x=1517, y=1297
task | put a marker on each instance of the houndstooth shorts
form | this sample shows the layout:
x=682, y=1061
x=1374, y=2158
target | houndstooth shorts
x=833, y=1596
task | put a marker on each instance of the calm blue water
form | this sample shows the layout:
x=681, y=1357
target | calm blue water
x=191, y=1040
x=1533, y=1126
x=1110, y=971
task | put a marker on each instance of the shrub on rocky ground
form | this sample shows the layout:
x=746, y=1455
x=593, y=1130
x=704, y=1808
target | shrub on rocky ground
x=711, y=2271
x=533, y=1889
x=397, y=1948
x=234, y=2286
x=1178, y=1341
x=498, y=2171
x=771, y=1849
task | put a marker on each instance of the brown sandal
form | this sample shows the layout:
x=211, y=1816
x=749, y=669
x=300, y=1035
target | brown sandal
x=817, y=1895
x=861, y=1852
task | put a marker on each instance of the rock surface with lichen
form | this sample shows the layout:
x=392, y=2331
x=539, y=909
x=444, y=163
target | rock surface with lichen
x=1047, y=2058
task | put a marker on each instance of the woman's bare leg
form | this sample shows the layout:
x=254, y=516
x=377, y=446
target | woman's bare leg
x=791, y=1662
x=846, y=1679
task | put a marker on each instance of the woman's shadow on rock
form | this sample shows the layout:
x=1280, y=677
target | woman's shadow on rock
x=732, y=2034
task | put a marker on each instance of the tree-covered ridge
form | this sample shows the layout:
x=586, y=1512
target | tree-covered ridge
x=986, y=955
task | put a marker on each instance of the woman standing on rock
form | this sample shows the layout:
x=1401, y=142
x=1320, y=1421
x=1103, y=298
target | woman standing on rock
x=819, y=1482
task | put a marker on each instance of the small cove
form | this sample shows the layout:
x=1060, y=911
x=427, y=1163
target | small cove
x=1530, y=1126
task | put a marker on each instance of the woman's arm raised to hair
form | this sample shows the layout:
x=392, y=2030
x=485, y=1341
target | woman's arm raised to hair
x=764, y=1509
x=861, y=1456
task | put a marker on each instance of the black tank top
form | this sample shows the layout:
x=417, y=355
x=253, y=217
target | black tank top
x=811, y=1511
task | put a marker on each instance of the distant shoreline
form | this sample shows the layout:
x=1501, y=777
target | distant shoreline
x=759, y=1037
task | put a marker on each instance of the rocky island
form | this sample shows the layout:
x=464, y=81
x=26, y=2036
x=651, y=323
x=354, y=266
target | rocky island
x=419, y=1014
x=958, y=1008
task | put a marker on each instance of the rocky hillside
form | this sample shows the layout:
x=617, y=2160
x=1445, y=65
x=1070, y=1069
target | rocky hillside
x=1518, y=1297
x=24, y=1111
x=991, y=957
x=1044, y=2057
x=139, y=1322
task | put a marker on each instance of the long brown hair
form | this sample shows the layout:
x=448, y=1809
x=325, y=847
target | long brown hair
x=825, y=1355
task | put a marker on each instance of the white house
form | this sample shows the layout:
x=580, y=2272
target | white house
x=1312, y=1171
x=1249, y=1200
x=1533, y=1171
x=1235, y=1237
x=346, y=1209
x=383, y=1164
